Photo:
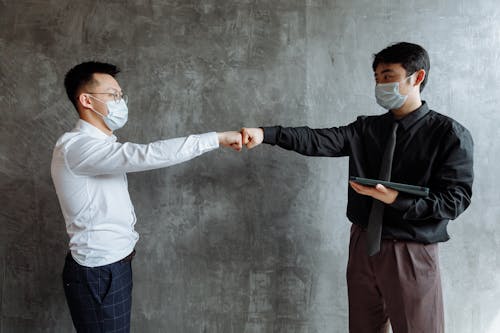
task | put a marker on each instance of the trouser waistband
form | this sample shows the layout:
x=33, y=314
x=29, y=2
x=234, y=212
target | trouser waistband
x=129, y=257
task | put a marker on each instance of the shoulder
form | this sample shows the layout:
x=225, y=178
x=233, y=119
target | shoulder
x=76, y=140
x=66, y=139
x=448, y=124
x=365, y=122
x=374, y=119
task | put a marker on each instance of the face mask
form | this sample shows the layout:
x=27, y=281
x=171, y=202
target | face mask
x=388, y=96
x=117, y=113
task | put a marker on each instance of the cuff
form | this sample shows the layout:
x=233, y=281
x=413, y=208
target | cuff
x=402, y=203
x=271, y=135
x=209, y=141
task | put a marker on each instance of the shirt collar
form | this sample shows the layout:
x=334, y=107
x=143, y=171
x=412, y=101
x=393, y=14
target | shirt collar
x=91, y=130
x=407, y=121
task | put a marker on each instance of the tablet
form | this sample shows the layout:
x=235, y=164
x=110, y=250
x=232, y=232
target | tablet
x=410, y=189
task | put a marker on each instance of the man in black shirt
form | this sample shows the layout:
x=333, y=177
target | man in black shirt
x=400, y=283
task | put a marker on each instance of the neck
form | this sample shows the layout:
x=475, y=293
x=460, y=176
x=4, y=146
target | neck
x=94, y=119
x=407, y=108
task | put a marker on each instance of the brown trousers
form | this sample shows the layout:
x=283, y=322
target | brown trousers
x=400, y=286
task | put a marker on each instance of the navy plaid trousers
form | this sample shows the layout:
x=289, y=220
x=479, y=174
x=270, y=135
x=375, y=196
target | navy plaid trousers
x=99, y=298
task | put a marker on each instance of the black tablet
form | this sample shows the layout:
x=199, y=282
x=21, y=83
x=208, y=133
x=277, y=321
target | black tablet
x=410, y=189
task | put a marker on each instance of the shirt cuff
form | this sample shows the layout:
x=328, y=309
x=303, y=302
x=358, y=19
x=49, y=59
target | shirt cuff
x=270, y=135
x=209, y=141
x=402, y=203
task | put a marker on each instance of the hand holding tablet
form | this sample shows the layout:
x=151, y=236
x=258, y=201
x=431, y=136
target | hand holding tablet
x=410, y=189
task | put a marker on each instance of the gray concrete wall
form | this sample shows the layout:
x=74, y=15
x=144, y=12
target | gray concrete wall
x=248, y=242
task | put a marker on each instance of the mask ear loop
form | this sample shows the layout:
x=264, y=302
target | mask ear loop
x=103, y=116
x=412, y=75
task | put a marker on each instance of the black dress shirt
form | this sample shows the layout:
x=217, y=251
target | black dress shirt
x=432, y=150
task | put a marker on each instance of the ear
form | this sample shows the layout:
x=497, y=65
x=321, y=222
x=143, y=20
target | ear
x=420, y=77
x=85, y=101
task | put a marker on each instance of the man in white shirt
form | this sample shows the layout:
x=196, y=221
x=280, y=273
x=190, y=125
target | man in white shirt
x=89, y=170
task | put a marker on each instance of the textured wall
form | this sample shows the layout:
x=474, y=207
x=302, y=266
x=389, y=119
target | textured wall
x=249, y=242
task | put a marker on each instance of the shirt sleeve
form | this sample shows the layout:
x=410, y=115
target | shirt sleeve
x=451, y=184
x=91, y=157
x=331, y=142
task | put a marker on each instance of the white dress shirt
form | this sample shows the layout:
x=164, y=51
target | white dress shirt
x=89, y=173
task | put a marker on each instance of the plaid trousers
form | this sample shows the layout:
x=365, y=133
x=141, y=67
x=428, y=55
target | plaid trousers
x=99, y=298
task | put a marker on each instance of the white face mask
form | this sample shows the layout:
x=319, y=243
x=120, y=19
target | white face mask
x=117, y=113
x=388, y=96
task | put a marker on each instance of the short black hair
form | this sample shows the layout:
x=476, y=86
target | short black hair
x=412, y=57
x=82, y=74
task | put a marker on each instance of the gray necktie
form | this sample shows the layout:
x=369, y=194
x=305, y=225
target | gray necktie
x=374, y=230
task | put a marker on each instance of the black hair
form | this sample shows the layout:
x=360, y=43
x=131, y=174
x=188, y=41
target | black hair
x=82, y=74
x=412, y=57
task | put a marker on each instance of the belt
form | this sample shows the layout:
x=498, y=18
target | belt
x=126, y=259
x=129, y=257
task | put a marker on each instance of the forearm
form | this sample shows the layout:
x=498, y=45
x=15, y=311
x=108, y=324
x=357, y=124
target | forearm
x=439, y=205
x=166, y=153
x=307, y=141
x=91, y=158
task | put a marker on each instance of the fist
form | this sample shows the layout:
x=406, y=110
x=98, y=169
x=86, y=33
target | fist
x=252, y=137
x=230, y=139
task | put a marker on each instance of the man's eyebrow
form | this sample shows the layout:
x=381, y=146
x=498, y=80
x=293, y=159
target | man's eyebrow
x=113, y=89
x=388, y=70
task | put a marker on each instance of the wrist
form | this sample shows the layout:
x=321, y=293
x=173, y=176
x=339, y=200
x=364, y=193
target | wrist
x=402, y=203
x=270, y=134
x=220, y=137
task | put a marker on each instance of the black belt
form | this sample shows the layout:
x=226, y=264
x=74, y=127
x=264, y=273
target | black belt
x=126, y=259
x=129, y=257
